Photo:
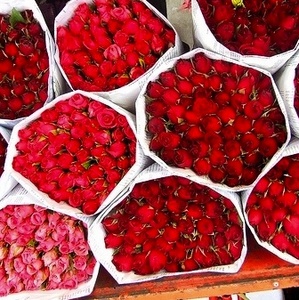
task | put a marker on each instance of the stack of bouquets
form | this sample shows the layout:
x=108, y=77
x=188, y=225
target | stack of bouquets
x=110, y=47
x=27, y=66
x=76, y=154
x=212, y=118
x=260, y=33
x=44, y=254
x=7, y=182
x=287, y=80
x=271, y=207
x=166, y=225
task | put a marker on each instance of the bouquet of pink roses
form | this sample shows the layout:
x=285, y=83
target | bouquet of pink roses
x=43, y=253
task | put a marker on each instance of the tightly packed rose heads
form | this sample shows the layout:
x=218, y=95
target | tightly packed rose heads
x=296, y=95
x=108, y=44
x=172, y=224
x=264, y=28
x=273, y=206
x=76, y=151
x=3, y=149
x=42, y=250
x=219, y=119
x=24, y=65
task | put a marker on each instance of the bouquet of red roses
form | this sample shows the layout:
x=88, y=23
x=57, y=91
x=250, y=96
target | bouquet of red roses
x=207, y=116
x=76, y=153
x=166, y=224
x=26, y=61
x=109, y=47
x=271, y=207
x=260, y=33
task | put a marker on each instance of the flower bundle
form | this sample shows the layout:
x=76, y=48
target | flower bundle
x=212, y=117
x=166, y=225
x=26, y=62
x=105, y=45
x=75, y=151
x=260, y=33
x=271, y=207
x=42, y=252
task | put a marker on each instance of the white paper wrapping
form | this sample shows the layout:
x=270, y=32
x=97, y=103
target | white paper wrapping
x=55, y=84
x=144, y=138
x=7, y=182
x=132, y=89
x=292, y=148
x=140, y=163
x=20, y=196
x=204, y=38
x=284, y=79
x=104, y=256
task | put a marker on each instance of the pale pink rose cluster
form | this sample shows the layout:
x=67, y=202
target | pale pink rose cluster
x=42, y=250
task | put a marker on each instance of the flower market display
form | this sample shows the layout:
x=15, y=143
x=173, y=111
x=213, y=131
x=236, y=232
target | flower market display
x=76, y=150
x=213, y=116
x=122, y=148
x=24, y=67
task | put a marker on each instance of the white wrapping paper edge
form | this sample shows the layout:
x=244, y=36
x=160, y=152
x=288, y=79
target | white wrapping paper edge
x=144, y=139
x=104, y=256
x=7, y=182
x=55, y=80
x=203, y=37
x=292, y=148
x=285, y=82
x=20, y=196
x=132, y=89
x=141, y=159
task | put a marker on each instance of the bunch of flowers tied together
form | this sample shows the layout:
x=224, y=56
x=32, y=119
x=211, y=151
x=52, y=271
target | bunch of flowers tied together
x=24, y=65
x=3, y=149
x=217, y=118
x=296, y=95
x=256, y=27
x=273, y=206
x=76, y=151
x=107, y=44
x=175, y=225
x=42, y=249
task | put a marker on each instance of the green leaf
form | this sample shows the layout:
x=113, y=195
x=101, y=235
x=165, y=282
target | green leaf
x=15, y=17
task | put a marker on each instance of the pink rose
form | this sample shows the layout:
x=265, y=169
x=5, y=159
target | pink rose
x=121, y=13
x=38, y=218
x=69, y=281
x=53, y=219
x=11, y=236
x=94, y=107
x=29, y=255
x=60, y=265
x=14, y=250
x=13, y=222
x=107, y=118
x=46, y=245
x=35, y=266
x=64, y=247
x=19, y=264
x=40, y=277
x=41, y=232
x=80, y=262
x=113, y=52
x=81, y=275
x=4, y=289
x=50, y=257
x=82, y=248
x=90, y=265
x=78, y=101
